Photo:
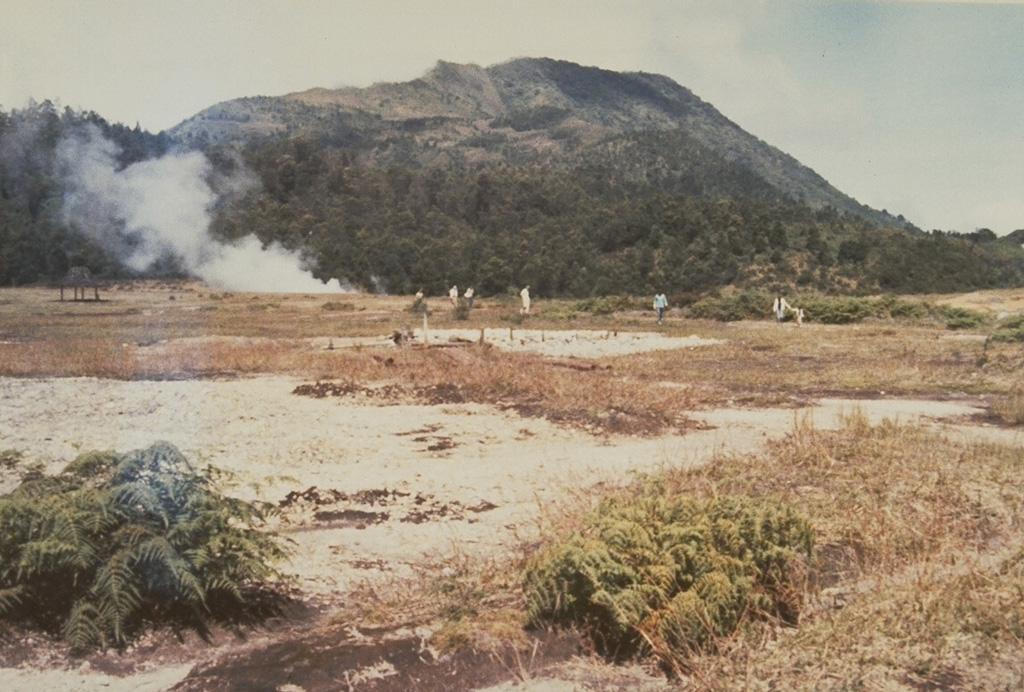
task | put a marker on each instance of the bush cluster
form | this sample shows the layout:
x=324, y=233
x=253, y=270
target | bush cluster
x=961, y=318
x=116, y=541
x=745, y=305
x=461, y=310
x=1010, y=330
x=839, y=310
x=671, y=576
x=608, y=305
x=833, y=309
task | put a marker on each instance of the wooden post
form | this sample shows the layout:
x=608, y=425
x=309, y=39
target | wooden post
x=426, y=339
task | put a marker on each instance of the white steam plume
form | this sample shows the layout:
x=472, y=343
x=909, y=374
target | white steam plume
x=162, y=207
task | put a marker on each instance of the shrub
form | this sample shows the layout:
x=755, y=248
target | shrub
x=1008, y=336
x=670, y=576
x=115, y=541
x=1010, y=330
x=899, y=309
x=558, y=310
x=745, y=305
x=1012, y=322
x=962, y=318
x=607, y=305
x=838, y=309
x=461, y=311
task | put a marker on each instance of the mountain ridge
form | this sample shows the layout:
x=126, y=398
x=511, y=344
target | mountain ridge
x=546, y=110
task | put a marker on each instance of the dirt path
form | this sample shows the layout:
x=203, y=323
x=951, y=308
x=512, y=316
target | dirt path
x=372, y=490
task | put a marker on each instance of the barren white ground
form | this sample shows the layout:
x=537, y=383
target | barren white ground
x=480, y=489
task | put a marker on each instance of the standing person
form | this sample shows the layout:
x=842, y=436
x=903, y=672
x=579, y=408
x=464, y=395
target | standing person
x=525, y=295
x=453, y=293
x=780, y=306
x=799, y=316
x=419, y=294
x=660, y=305
x=468, y=295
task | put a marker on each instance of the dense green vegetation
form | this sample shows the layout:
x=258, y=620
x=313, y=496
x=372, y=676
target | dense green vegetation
x=577, y=232
x=36, y=241
x=671, y=576
x=118, y=541
x=638, y=213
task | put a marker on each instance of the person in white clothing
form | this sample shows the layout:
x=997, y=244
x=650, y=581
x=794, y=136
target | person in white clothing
x=525, y=295
x=468, y=295
x=453, y=293
x=780, y=306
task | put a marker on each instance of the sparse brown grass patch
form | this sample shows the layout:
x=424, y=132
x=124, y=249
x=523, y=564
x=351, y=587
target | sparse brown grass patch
x=472, y=602
x=1009, y=408
x=134, y=333
x=764, y=364
x=919, y=573
x=600, y=400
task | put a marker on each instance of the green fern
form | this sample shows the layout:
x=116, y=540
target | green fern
x=115, y=540
x=669, y=575
x=82, y=630
x=10, y=598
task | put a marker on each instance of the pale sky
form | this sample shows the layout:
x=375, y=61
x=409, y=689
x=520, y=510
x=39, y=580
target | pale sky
x=913, y=107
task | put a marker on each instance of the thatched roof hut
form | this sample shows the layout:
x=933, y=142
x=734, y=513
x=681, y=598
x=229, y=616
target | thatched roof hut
x=80, y=278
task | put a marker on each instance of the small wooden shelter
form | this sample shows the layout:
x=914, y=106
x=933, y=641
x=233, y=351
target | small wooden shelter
x=80, y=278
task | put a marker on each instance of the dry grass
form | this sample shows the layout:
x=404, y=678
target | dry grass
x=158, y=331
x=918, y=580
x=600, y=400
x=920, y=583
x=921, y=562
x=1009, y=408
x=469, y=601
x=762, y=363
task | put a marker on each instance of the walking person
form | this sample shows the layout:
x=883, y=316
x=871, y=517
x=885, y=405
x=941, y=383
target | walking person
x=660, y=305
x=453, y=293
x=468, y=295
x=525, y=295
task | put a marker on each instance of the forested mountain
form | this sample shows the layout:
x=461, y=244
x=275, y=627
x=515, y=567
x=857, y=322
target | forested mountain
x=576, y=180
x=638, y=128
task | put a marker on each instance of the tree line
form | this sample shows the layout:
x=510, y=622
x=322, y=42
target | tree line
x=600, y=225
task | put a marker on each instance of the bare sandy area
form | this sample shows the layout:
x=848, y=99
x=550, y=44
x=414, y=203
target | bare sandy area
x=369, y=491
